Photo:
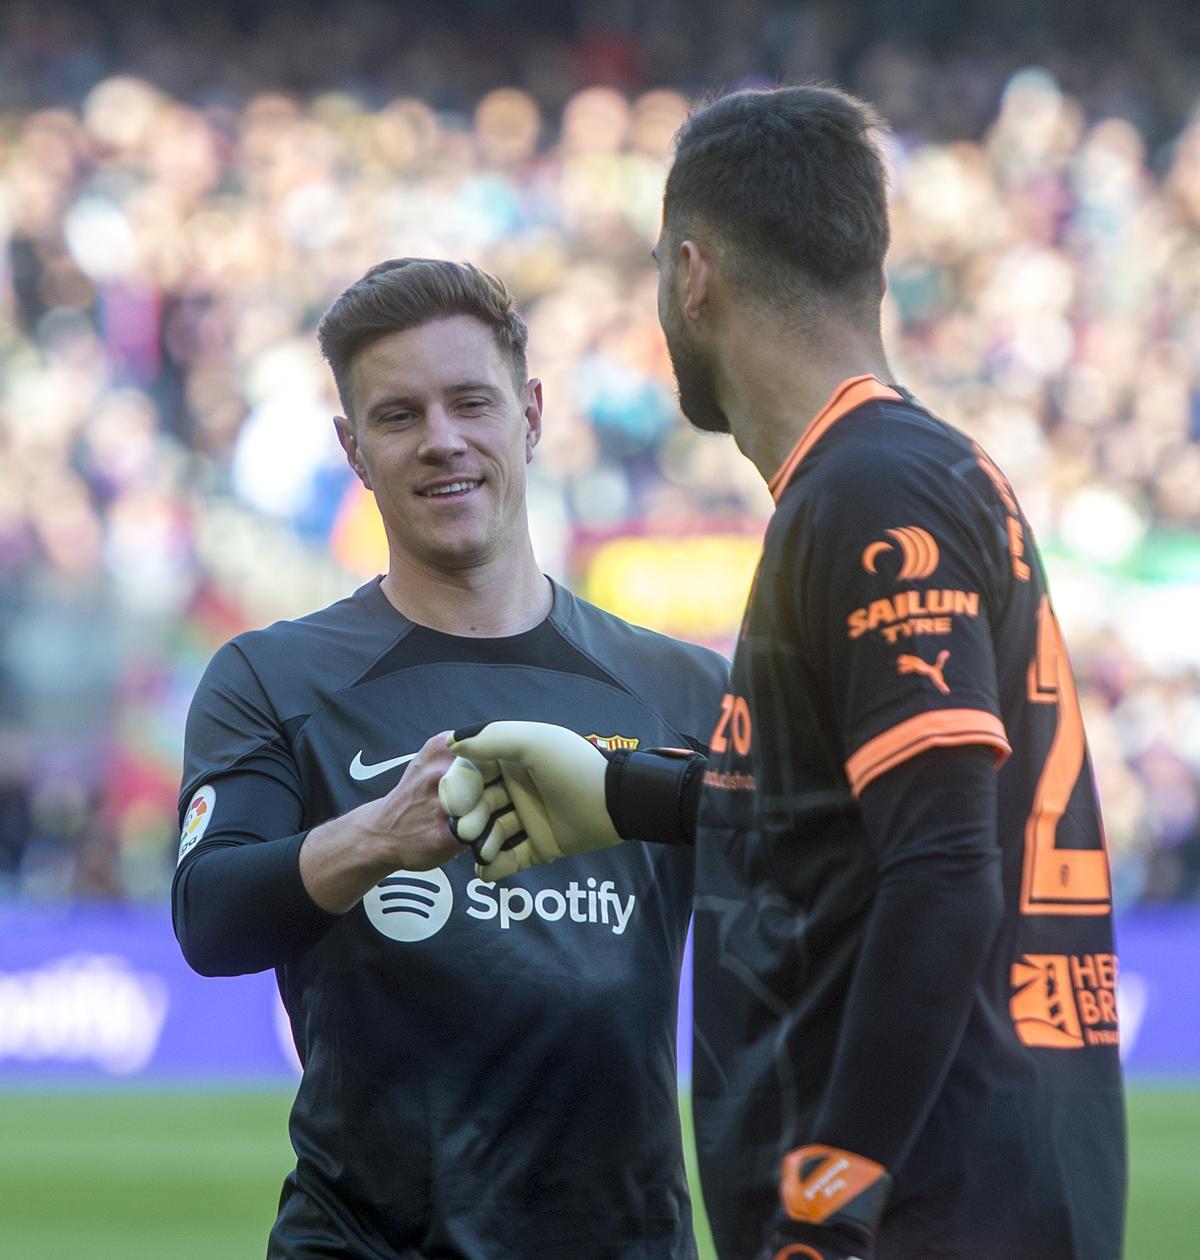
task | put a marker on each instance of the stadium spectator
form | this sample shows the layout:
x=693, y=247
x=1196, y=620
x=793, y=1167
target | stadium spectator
x=170, y=229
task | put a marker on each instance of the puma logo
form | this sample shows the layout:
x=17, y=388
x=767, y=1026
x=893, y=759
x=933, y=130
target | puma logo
x=915, y=665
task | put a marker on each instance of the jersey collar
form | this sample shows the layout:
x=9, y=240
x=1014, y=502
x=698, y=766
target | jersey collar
x=851, y=393
x=371, y=594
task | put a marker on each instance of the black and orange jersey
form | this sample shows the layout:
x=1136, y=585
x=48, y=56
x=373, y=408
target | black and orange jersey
x=900, y=607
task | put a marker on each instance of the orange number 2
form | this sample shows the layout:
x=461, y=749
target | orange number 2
x=1057, y=880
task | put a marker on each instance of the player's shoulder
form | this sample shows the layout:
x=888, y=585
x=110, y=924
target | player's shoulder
x=633, y=653
x=888, y=455
x=888, y=442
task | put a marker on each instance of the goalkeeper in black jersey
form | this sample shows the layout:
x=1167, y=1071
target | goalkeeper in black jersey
x=446, y=1110
x=906, y=1040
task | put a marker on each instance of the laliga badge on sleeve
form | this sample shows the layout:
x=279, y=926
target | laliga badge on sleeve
x=196, y=820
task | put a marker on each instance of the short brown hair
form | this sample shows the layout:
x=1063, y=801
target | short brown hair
x=792, y=182
x=404, y=293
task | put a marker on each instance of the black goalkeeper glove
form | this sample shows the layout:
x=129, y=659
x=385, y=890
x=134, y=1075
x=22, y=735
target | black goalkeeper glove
x=830, y=1205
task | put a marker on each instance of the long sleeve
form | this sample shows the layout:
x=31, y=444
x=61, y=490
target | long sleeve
x=932, y=922
x=237, y=900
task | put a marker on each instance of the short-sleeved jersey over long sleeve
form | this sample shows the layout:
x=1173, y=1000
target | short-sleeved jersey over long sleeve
x=899, y=608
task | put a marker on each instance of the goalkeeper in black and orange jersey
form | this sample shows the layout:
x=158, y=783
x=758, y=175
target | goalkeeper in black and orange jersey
x=905, y=1016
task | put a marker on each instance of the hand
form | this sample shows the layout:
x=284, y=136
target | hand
x=466, y=797
x=411, y=812
x=830, y=1204
x=480, y=811
x=540, y=780
x=406, y=830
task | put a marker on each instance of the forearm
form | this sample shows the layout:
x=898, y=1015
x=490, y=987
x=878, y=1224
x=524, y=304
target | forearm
x=246, y=907
x=245, y=901
x=346, y=857
x=932, y=923
x=912, y=994
x=240, y=908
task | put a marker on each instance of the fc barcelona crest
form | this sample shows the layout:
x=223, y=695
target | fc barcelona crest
x=611, y=743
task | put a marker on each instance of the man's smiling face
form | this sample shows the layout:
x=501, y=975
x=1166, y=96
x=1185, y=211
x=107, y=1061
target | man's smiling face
x=441, y=434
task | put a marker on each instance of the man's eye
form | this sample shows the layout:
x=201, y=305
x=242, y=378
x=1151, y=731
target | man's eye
x=473, y=404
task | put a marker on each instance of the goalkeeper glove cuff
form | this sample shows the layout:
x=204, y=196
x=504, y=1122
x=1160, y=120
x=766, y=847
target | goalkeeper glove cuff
x=654, y=794
x=832, y=1201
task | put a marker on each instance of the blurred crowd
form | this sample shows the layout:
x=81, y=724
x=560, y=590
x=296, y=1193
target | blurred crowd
x=170, y=235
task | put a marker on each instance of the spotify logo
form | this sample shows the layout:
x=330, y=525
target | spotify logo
x=410, y=905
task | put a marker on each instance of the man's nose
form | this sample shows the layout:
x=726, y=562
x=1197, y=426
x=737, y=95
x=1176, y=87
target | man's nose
x=442, y=436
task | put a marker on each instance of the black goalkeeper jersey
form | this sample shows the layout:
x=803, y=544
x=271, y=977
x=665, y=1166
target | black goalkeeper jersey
x=489, y=1070
x=900, y=607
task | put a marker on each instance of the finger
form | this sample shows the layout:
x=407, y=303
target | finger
x=475, y=829
x=500, y=830
x=506, y=831
x=461, y=788
x=468, y=842
x=477, y=821
x=507, y=863
x=495, y=741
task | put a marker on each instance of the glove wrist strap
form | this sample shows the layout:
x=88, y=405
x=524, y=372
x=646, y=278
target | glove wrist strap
x=654, y=794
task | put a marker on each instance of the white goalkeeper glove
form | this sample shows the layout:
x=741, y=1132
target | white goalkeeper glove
x=525, y=793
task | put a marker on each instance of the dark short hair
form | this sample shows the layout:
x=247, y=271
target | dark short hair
x=792, y=184
x=404, y=293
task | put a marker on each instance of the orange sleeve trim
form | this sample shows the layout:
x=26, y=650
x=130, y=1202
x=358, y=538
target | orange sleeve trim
x=938, y=728
x=849, y=394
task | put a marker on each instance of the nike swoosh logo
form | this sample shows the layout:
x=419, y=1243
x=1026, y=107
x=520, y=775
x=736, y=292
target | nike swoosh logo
x=360, y=770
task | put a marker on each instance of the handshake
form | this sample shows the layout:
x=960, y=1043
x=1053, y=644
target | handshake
x=522, y=794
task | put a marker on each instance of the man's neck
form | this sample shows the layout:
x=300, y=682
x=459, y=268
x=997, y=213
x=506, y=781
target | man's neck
x=488, y=601
x=771, y=388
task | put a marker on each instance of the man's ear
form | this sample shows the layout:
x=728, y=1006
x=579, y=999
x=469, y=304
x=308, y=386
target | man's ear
x=345, y=432
x=696, y=271
x=533, y=416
